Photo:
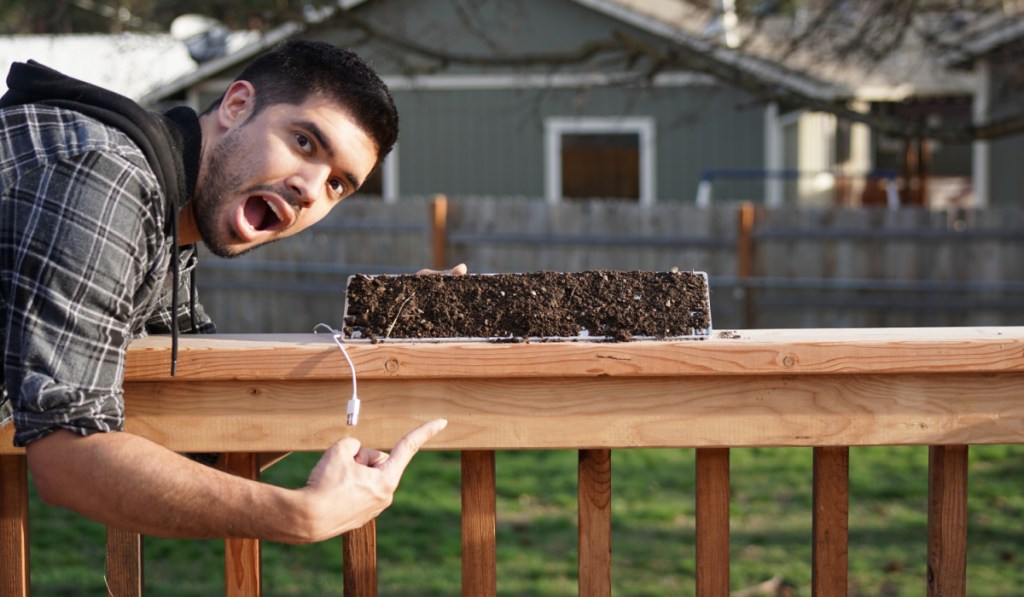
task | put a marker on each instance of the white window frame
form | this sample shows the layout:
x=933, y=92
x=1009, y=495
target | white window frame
x=556, y=127
x=389, y=177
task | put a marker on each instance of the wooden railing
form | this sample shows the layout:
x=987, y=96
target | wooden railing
x=827, y=389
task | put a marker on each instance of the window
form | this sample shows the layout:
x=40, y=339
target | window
x=600, y=158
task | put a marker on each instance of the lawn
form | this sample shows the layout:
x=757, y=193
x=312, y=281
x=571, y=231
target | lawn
x=652, y=526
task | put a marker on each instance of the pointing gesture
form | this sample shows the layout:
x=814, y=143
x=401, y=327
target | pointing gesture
x=352, y=485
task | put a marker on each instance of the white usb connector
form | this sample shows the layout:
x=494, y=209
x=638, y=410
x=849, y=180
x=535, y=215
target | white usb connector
x=352, y=410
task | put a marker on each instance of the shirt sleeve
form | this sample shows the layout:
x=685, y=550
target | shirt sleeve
x=82, y=255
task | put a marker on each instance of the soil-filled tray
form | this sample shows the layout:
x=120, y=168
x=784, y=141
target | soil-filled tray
x=598, y=305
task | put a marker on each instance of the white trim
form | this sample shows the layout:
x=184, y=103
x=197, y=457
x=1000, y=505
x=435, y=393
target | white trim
x=774, y=156
x=981, y=150
x=543, y=81
x=389, y=177
x=555, y=127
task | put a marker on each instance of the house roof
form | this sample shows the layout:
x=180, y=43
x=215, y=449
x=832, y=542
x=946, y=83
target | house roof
x=909, y=72
x=984, y=38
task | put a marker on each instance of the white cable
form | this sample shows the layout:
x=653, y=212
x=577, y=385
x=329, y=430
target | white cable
x=352, y=411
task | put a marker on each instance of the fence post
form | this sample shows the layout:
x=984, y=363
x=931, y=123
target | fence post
x=745, y=260
x=439, y=232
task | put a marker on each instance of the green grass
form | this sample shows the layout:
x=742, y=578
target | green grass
x=652, y=526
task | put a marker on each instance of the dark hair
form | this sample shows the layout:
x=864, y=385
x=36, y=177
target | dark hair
x=299, y=69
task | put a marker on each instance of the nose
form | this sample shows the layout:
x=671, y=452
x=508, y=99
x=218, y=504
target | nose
x=307, y=185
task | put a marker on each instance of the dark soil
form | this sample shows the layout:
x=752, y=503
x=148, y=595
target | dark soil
x=595, y=305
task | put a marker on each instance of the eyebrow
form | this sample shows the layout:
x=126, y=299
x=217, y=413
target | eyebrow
x=321, y=138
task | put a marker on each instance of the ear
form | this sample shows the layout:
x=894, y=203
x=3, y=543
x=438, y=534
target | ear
x=238, y=103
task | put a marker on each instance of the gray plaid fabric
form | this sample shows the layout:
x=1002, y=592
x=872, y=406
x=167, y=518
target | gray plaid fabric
x=84, y=268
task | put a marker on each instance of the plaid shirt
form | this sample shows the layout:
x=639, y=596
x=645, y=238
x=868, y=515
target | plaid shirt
x=84, y=268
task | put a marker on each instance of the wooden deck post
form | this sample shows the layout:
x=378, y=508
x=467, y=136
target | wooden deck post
x=124, y=567
x=713, y=522
x=479, y=544
x=830, y=525
x=14, y=571
x=359, y=549
x=243, y=576
x=595, y=523
x=947, y=521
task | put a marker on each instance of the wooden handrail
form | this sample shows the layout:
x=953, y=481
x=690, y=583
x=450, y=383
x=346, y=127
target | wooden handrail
x=827, y=389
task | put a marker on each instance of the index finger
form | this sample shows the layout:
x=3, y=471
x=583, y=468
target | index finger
x=407, y=447
x=458, y=270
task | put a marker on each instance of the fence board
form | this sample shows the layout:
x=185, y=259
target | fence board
x=494, y=234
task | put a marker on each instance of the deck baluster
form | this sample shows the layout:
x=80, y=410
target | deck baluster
x=243, y=576
x=830, y=526
x=479, y=549
x=595, y=523
x=713, y=522
x=14, y=572
x=947, y=521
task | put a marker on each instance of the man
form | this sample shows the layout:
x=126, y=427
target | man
x=91, y=252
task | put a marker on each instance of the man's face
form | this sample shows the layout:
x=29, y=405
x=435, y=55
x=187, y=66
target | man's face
x=272, y=175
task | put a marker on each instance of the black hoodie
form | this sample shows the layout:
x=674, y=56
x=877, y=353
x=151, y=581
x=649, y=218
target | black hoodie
x=171, y=142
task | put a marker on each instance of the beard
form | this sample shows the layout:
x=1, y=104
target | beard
x=210, y=199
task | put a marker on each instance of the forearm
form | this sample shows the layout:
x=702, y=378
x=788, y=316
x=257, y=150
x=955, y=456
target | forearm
x=127, y=481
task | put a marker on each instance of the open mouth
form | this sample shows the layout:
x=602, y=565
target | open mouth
x=263, y=213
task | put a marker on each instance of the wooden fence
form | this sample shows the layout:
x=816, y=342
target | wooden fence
x=946, y=388
x=768, y=268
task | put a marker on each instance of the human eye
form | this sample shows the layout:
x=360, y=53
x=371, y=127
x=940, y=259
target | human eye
x=304, y=142
x=337, y=186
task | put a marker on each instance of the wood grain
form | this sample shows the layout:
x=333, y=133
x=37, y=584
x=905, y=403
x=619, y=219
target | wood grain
x=14, y=570
x=124, y=563
x=712, y=512
x=947, y=521
x=479, y=519
x=243, y=576
x=359, y=550
x=731, y=353
x=486, y=414
x=595, y=522
x=830, y=526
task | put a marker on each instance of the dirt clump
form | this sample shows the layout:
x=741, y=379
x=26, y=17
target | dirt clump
x=595, y=305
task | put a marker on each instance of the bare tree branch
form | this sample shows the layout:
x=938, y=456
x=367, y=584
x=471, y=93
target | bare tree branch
x=648, y=60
